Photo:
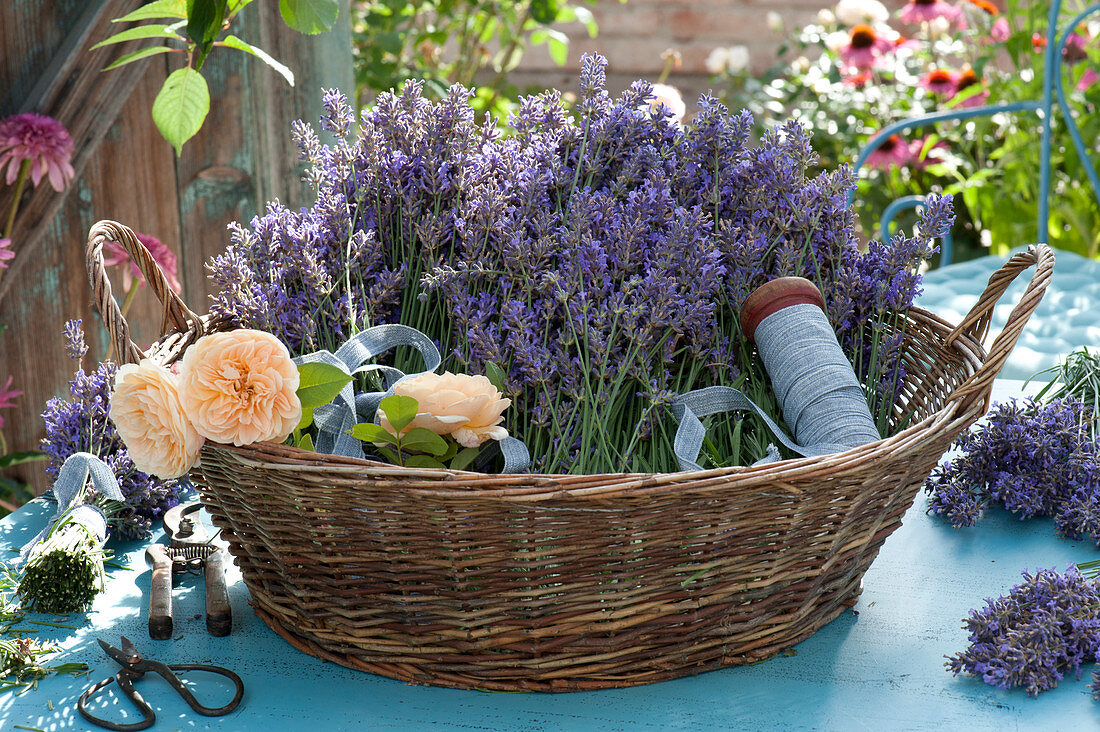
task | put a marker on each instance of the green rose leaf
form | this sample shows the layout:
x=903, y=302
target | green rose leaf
x=310, y=16
x=156, y=9
x=181, y=106
x=424, y=440
x=423, y=461
x=463, y=459
x=306, y=443
x=369, y=432
x=544, y=11
x=306, y=420
x=237, y=43
x=496, y=376
x=319, y=383
x=399, y=410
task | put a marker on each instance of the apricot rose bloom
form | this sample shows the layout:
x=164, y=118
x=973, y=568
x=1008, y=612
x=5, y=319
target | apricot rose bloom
x=239, y=387
x=150, y=419
x=466, y=407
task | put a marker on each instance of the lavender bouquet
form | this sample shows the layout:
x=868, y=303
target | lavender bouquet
x=598, y=259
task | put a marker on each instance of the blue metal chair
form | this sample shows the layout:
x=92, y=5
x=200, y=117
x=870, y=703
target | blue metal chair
x=1054, y=92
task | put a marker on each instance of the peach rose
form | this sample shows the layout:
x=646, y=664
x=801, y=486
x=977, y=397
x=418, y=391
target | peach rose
x=239, y=387
x=466, y=407
x=150, y=419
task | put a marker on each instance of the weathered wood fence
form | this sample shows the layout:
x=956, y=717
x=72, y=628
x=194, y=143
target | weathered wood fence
x=242, y=158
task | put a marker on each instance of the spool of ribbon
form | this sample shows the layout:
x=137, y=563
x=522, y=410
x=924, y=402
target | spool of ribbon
x=334, y=421
x=69, y=487
x=817, y=389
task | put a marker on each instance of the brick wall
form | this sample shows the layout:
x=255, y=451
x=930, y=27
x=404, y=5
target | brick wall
x=633, y=35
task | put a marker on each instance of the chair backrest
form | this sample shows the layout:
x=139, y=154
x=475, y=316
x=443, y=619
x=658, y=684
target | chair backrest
x=1054, y=94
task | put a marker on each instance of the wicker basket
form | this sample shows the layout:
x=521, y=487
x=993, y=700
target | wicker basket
x=559, y=583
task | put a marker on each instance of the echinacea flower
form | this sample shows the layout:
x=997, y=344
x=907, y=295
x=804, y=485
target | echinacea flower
x=6, y=396
x=855, y=12
x=1074, y=50
x=41, y=141
x=894, y=152
x=114, y=255
x=149, y=417
x=924, y=11
x=240, y=387
x=668, y=97
x=966, y=79
x=940, y=81
x=916, y=147
x=1087, y=79
x=467, y=407
x=6, y=252
x=1000, y=31
x=864, y=46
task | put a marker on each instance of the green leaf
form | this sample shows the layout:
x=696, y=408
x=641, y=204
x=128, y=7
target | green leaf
x=370, y=432
x=136, y=55
x=181, y=106
x=306, y=420
x=156, y=9
x=544, y=11
x=585, y=16
x=319, y=383
x=18, y=458
x=310, y=16
x=424, y=461
x=205, y=19
x=496, y=376
x=452, y=450
x=237, y=43
x=306, y=443
x=463, y=459
x=399, y=410
x=422, y=439
x=157, y=30
x=558, y=46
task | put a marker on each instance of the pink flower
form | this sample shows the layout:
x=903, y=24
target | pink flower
x=114, y=255
x=965, y=80
x=149, y=416
x=6, y=396
x=1087, y=79
x=859, y=79
x=1000, y=31
x=1074, y=50
x=894, y=152
x=240, y=387
x=43, y=141
x=923, y=11
x=864, y=46
x=917, y=146
x=940, y=81
x=6, y=252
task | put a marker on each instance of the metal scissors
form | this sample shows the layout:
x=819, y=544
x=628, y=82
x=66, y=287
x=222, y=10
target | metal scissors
x=134, y=667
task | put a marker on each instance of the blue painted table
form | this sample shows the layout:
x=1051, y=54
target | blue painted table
x=878, y=667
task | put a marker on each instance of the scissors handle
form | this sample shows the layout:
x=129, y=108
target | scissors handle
x=168, y=673
x=125, y=681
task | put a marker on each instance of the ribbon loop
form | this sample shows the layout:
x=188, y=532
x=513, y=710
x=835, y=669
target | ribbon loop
x=69, y=488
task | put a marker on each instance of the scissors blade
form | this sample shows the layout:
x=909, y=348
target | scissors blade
x=118, y=654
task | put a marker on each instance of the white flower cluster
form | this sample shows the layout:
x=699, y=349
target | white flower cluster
x=728, y=59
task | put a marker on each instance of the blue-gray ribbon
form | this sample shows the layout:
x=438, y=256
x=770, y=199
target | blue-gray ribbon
x=334, y=421
x=813, y=381
x=69, y=487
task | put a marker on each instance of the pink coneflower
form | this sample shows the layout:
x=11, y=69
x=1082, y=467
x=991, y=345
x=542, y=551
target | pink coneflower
x=917, y=146
x=1074, y=50
x=43, y=142
x=1000, y=31
x=940, y=81
x=1087, y=79
x=114, y=256
x=923, y=11
x=894, y=152
x=864, y=46
x=6, y=395
x=966, y=80
x=6, y=252
x=859, y=79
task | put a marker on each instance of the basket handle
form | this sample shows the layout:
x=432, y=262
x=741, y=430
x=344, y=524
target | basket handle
x=976, y=323
x=176, y=315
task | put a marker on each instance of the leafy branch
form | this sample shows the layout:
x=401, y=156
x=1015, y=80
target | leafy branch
x=194, y=28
